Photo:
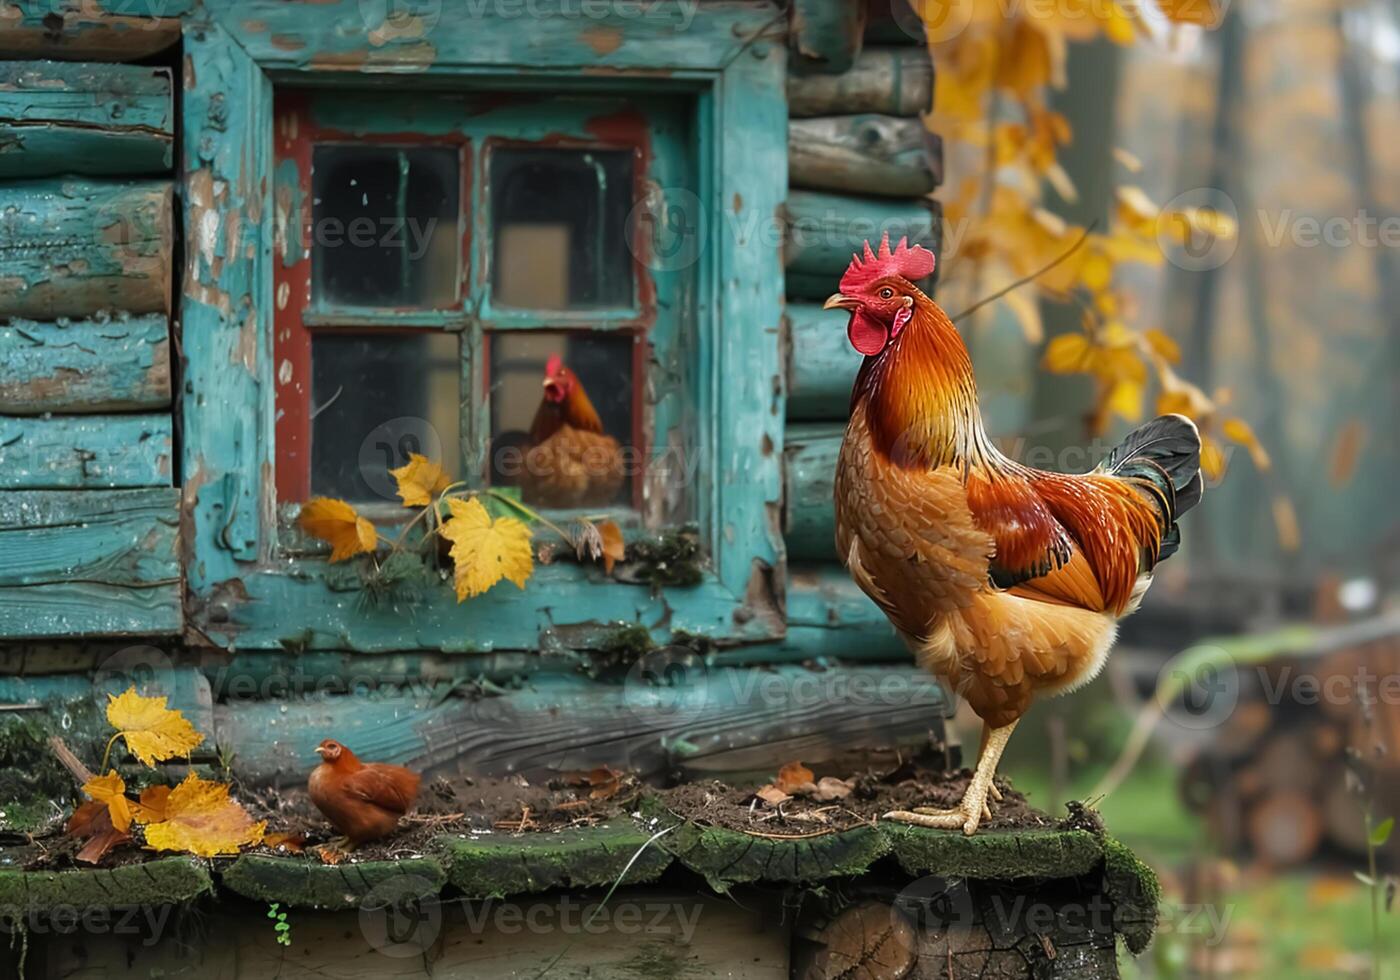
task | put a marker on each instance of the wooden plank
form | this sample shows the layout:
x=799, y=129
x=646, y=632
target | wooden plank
x=74, y=247
x=91, y=30
x=824, y=230
x=720, y=722
x=58, y=118
x=893, y=81
x=87, y=366
x=822, y=365
x=825, y=35
x=143, y=667
x=85, y=452
x=809, y=524
x=829, y=616
x=660, y=38
x=89, y=563
x=887, y=156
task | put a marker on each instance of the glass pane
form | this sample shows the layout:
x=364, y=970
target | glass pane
x=384, y=226
x=562, y=417
x=376, y=399
x=559, y=220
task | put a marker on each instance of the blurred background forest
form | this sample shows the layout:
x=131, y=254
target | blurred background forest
x=1266, y=666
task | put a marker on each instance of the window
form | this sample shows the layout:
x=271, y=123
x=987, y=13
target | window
x=438, y=270
x=430, y=319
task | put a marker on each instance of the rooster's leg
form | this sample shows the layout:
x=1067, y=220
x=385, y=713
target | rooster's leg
x=968, y=815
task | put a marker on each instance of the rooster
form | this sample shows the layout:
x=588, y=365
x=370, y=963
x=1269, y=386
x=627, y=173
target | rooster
x=1005, y=581
x=363, y=801
x=569, y=460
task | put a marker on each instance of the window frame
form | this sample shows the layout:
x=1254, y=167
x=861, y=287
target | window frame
x=245, y=591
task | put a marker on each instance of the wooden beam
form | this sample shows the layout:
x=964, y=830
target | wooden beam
x=87, y=563
x=85, y=366
x=821, y=365
x=888, y=156
x=825, y=35
x=824, y=230
x=835, y=619
x=72, y=247
x=893, y=81
x=85, y=452
x=89, y=30
x=716, y=722
x=58, y=118
x=809, y=456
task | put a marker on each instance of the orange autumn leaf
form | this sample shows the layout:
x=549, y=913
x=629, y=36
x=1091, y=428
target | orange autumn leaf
x=151, y=809
x=419, y=480
x=614, y=548
x=92, y=823
x=793, y=777
x=110, y=790
x=153, y=732
x=201, y=819
x=484, y=550
x=339, y=525
x=1239, y=431
x=291, y=841
x=1202, y=13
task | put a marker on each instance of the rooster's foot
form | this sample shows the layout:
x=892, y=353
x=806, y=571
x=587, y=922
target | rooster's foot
x=963, y=818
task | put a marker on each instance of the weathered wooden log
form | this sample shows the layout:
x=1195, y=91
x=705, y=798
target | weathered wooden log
x=895, y=22
x=825, y=230
x=73, y=452
x=821, y=365
x=809, y=458
x=716, y=722
x=892, y=81
x=87, y=366
x=825, y=35
x=58, y=118
x=88, y=563
x=865, y=154
x=828, y=616
x=73, y=247
x=91, y=30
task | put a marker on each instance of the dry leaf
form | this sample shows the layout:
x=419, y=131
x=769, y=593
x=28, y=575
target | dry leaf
x=330, y=855
x=1346, y=452
x=419, y=481
x=202, y=820
x=93, y=822
x=484, y=551
x=110, y=791
x=588, y=540
x=794, y=778
x=292, y=841
x=1238, y=430
x=1067, y=354
x=339, y=525
x=773, y=796
x=614, y=548
x=1202, y=13
x=152, y=731
x=151, y=809
x=830, y=788
x=604, y=782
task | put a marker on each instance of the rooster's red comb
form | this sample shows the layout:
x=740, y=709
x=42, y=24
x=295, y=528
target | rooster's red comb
x=553, y=366
x=912, y=262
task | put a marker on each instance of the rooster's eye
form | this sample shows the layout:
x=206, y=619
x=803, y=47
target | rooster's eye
x=887, y=293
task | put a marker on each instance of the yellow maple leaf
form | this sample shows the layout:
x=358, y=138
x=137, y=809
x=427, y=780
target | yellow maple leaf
x=1067, y=354
x=419, y=480
x=1239, y=431
x=338, y=524
x=484, y=551
x=151, y=809
x=152, y=731
x=111, y=790
x=201, y=819
x=1203, y=13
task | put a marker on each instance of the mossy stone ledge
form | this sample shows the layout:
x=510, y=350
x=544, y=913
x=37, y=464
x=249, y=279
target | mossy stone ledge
x=305, y=883
x=165, y=881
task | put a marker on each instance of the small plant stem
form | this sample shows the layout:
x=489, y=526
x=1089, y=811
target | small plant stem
x=1375, y=889
x=531, y=513
x=102, y=769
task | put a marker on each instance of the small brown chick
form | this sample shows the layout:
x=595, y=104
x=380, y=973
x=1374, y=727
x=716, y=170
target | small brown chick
x=362, y=801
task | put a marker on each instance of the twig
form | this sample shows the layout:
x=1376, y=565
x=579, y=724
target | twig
x=21, y=707
x=70, y=761
x=1028, y=278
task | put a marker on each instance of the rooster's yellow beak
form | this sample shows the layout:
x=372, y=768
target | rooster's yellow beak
x=836, y=301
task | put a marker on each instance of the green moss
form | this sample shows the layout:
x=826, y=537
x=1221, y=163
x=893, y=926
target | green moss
x=1135, y=892
x=497, y=865
x=31, y=777
x=670, y=559
x=165, y=881
x=999, y=855
x=306, y=883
